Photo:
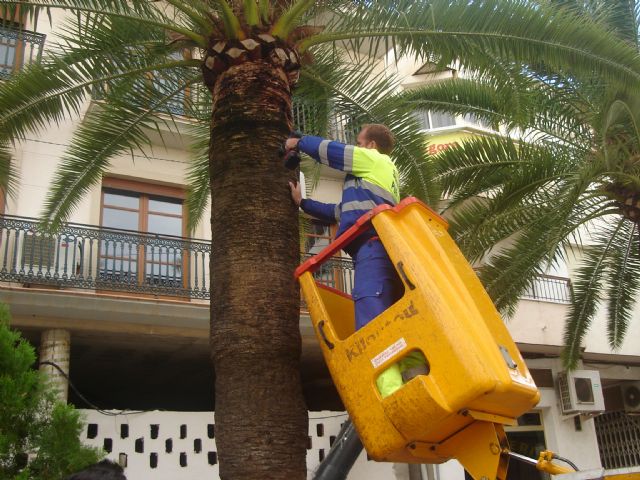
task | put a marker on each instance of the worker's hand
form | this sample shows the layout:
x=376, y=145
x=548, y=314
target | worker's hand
x=296, y=192
x=291, y=143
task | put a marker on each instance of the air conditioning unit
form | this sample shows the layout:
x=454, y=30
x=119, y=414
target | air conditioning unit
x=631, y=396
x=580, y=392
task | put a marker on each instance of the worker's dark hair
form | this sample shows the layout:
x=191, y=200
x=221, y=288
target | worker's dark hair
x=381, y=135
x=104, y=470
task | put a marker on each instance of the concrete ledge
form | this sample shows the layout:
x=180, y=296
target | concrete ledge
x=100, y=312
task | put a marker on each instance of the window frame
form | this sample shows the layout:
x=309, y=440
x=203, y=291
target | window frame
x=146, y=191
x=16, y=23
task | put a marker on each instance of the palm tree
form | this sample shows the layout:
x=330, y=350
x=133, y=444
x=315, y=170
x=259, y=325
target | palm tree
x=249, y=55
x=572, y=178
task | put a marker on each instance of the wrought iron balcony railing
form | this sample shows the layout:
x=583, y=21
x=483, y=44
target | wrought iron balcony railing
x=17, y=49
x=548, y=288
x=338, y=273
x=91, y=257
x=84, y=256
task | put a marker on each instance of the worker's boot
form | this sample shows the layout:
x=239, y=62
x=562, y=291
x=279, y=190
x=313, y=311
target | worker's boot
x=343, y=454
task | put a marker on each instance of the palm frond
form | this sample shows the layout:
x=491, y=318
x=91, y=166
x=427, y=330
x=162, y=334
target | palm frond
x=199, y=190
x=55, y=90
x=530, y=251
x=290, y=18
x=145, y=13
x=231, y=23
x=356, y=97
x=129, y=113
x=9, y=179
x=500, y=168
x=514, y=30
x=586, y=291
x=535, y=238
x=197, y=15
x=623, y=279
x=621, y=16
x=518, y=103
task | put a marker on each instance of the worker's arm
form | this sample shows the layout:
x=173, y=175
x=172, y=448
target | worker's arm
x=347, y=158
x=327, y=212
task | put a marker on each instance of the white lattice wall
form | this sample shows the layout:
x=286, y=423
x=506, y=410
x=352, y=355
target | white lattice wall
x=181, y=445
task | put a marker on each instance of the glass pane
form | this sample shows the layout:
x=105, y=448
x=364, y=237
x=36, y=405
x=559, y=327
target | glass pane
x=119, y=219
x=118, y=267
x=165, y=225
x=127, y=200
x=531, y=418
x=471, y=118
x=442, y=120
x=112, y=248
x=7, y=54
x=163, y=270
x=319, y=237
x=165, y=206
x=422, y=117
x=163, y=254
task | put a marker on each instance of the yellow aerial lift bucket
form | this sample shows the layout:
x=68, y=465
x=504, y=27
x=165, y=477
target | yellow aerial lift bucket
x=475, y=379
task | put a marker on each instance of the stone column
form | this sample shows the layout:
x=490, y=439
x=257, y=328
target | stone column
x=55, y=347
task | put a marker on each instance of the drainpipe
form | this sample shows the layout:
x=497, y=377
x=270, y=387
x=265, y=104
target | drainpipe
x=55, y=347
x=343, y=454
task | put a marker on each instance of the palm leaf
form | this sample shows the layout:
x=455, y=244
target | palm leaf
x=623, y=281
x=198, y=191
x=56, y=89
x=9, y=180
x=586, y=291
x=121, y=124
x=474, y=33
x=356, y=97
x=142, y=12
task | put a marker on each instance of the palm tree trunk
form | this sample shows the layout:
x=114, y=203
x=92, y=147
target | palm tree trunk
x=261, y=417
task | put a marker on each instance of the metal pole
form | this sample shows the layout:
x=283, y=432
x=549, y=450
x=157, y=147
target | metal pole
x=343, y=454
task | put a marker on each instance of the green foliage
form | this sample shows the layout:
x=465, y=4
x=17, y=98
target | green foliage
x=89, y=56
x=571, y=179
x=31, y=421
x=566, y=73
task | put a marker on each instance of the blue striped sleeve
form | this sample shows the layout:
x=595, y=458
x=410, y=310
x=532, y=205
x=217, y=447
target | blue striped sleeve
x=322, y=211
x=328, y=152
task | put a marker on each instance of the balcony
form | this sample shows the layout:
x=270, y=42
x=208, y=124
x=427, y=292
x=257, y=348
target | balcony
x=548, y=288
x=338, y=273
x=106, y=259
x=17, y=49
x=103, y=259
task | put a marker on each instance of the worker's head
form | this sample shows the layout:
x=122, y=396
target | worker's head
x=376, y=136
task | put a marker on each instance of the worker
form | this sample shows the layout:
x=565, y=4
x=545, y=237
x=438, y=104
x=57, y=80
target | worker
x=372, y=179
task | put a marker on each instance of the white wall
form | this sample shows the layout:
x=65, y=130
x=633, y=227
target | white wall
x=168, y=467
x=538, y=322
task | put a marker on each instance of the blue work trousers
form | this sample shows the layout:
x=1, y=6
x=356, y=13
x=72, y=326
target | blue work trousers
x=377, y=285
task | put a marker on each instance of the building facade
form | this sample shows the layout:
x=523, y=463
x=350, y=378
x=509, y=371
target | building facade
x=119, y=300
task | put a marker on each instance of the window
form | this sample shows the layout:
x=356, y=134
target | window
x=471, y=118
x=336, y=272
x=128, y=256
x=17, y=45
x=166, y=82
x=319, y=236
x=11, y=49
x=429, y=120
